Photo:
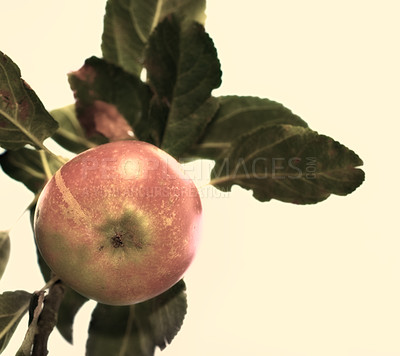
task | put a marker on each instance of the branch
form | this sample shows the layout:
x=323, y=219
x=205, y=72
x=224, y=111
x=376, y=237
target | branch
x=48, y=319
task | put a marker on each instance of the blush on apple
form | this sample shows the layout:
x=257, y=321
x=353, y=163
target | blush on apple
x=119, y=223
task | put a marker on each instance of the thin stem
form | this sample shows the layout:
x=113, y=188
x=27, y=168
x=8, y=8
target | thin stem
x=157, y=15
x=216, y=181
x=203, y=185
x=45, y=163
x=50, y=283
x=75, y=138
x=21, y=311
x=33, y=202
x=58, y=158
x=226, y=178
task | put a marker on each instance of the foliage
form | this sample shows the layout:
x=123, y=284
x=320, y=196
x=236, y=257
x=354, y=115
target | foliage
x=256, y=143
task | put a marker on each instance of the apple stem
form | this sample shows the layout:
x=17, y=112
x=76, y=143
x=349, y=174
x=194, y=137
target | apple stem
x=50, y=283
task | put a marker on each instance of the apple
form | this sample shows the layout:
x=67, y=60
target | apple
x=119, y=223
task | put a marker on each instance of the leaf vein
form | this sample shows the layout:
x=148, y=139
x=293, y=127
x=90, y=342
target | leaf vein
x=244, y=110
x=264, y=148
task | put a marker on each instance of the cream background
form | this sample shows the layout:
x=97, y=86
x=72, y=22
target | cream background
x=270, y=279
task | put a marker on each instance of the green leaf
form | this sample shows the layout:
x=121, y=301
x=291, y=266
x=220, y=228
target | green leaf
x=23, y=118
x=288, y=163
x=4, y=251
x=152, y=128
x=183, y=69
x=25, y=165
x=137, y=329
x=129, y=23
x=70, y=133
x=109, y=100
x=13, y=306
x=236, y=116
x=69, y=307
x=127, y=27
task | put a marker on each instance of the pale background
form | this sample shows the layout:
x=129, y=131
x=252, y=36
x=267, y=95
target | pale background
x=270, y=279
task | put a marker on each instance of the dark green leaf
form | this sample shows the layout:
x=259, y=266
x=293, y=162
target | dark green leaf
x=109, y=100
x=152, y=128
x=129, y=23
x=13, y=306
x=289, y=163
x=25, y=165
x=44, y=268
x=4, y=251
x=70, y=134
x=138, y=329
x=183, y=69
x=127, y=27
x=69, y=307
x=23, y=118
x=236, y=116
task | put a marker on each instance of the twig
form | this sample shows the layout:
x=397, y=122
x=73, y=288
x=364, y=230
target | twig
x=48, y=318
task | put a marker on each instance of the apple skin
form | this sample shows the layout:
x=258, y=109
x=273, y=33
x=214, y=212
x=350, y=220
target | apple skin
x=119, y=223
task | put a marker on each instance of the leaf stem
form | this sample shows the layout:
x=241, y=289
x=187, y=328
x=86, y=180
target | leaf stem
x=157, y=14
x=45, y=163
x=33, y=139
x=52, y=154
x=224, y=179
x=11, y=322
x=75, y=138
x=235, y=178
x=33, y=202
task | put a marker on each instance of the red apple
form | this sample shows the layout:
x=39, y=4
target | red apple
x=119, y=223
